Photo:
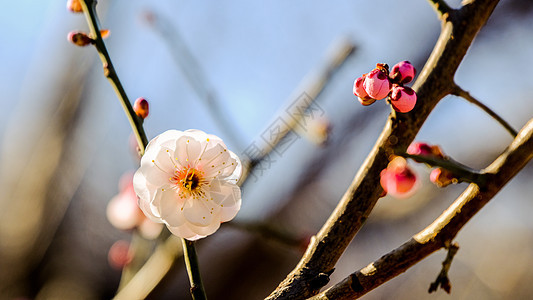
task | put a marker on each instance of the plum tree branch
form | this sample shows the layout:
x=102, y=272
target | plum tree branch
x=444, y=228
x=434, y=82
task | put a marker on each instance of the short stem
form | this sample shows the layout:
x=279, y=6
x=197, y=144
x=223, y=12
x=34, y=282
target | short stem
x=193, y=270
x=458, y=91
x=442, y=279
x=89, y=7
x=460, y=171
x=440, y=6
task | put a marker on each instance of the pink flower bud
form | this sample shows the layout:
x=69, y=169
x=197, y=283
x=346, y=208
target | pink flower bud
x=119, y=254
x=377, y=84
x=402, y=72
x=79, y=38
x=141, y=108
x=402, y=98
x=358, y=89
x=398, y=179
x=74, y=6
x=419, y=148
x=442, y=177
x=423, y=149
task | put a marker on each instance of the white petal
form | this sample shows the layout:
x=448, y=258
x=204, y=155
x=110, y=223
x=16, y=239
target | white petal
x=215, y=139
x=213, y=150
x=149, y=211
x=228, y=196
x=144, y=190
x=237, y=172
x=166, y=138
x=228, y=213
x=153, y=174
x=218, y=164
x=198, y=212
x=185, y=232
x=205, y=230
x=170, y=204
x=188, y=150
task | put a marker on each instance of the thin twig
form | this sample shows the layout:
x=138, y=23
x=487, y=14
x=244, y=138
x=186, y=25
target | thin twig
x=193, y=269
x=442, y=279
x=460, y=171
x=458, y=91
x=89, y=8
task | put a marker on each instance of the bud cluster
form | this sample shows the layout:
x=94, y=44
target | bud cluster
x=380, y=83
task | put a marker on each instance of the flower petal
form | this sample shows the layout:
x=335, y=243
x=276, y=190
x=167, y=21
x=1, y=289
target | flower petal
x=188, y=150
x=145, y=191
x=205, y=230
x=170, y=206
x=185, y=232
x=197, y=212
x=228, y=196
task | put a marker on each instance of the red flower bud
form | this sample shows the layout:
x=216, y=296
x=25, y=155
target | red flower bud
x=398, y=179
x=79, y=38
x=141, y=108
x=358, y=89
x=377, y=84
x=119, y=254
x=74, y=6
x=442, y=177
x=402, y=72
x=403, y=99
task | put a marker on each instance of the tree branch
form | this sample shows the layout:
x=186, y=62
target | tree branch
x=434, y=82
x=444, y=228
x=458, y=91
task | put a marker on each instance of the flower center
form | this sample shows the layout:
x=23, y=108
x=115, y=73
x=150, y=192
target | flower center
x=189, y=182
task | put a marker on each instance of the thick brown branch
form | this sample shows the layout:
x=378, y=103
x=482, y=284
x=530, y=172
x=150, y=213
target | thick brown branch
x=434, y=82
x=444, y=228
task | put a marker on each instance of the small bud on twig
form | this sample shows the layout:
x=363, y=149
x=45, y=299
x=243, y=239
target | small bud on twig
x=79, y=38
x=74, y=6
x=141, y=108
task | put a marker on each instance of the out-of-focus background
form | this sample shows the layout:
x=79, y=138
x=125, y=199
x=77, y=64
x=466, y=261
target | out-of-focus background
x=65, y=141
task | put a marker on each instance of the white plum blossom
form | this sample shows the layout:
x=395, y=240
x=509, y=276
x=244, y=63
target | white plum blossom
x=188, y=180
